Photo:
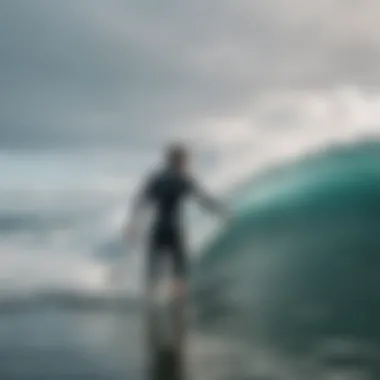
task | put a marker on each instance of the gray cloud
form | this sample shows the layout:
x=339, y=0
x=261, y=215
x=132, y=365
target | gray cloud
x=120, y=73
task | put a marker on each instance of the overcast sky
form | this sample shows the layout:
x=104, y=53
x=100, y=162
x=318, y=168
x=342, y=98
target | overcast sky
x=90, y=90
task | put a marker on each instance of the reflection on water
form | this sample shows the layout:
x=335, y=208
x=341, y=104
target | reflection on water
x=108, y=345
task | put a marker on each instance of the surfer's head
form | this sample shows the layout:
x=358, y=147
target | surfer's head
x=177, y=157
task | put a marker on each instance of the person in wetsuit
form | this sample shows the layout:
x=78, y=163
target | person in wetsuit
x=166, y=191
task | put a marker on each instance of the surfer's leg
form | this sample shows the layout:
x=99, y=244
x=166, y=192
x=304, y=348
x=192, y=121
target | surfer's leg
x=179, y=294
x=180, y=269
x=152, y=264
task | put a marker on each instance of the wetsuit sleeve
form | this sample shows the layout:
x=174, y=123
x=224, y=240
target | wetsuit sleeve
x=206, y=200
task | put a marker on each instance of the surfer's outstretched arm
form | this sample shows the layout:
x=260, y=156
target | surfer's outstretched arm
x=210, y=203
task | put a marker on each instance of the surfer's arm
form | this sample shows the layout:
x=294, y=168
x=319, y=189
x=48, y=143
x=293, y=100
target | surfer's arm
x=209, y=202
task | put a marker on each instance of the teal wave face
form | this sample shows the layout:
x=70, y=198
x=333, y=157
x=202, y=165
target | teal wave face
x=300, y=265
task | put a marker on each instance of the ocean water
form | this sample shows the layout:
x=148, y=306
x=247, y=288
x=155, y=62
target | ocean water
x=43, y=344
x=108, y=345
x=50, y=343
x=288, y=291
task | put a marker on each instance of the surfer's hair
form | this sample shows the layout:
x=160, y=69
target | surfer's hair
x=176, y=154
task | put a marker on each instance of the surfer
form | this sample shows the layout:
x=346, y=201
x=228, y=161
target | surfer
x=166, y=190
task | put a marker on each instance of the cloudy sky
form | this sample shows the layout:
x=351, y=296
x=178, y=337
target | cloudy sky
x=91, y=90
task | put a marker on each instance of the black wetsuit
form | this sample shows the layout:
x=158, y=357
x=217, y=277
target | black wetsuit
x=166, y=191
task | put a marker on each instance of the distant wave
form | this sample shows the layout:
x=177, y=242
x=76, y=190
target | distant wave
x=342, y=177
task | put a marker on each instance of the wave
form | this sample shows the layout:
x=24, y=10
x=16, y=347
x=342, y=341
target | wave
x=299, y=265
